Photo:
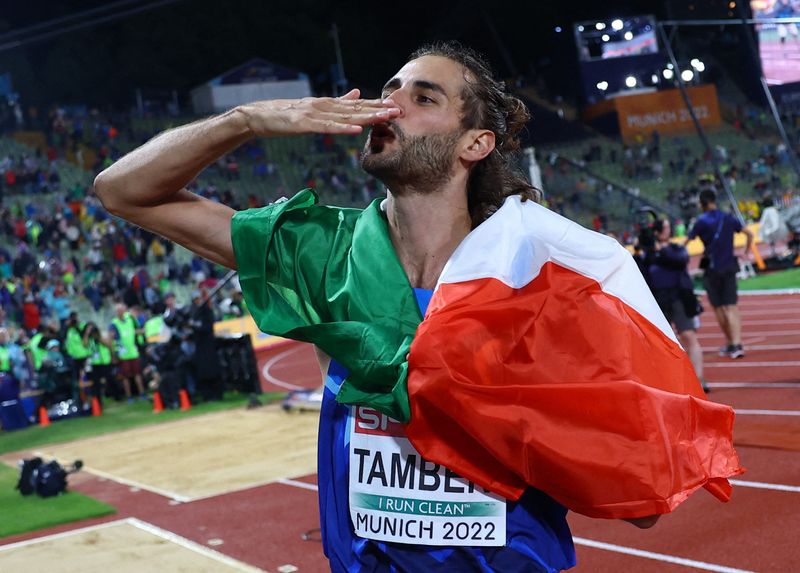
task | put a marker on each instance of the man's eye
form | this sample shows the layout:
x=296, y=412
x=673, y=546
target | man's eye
x=424, y=99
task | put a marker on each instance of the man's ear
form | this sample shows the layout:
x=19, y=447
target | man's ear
x=478, y=143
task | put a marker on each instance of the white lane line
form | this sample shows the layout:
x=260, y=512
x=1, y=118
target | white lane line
x=765, y=333
x=125, y=481
x=762, y=485
x=746, y=323
x=764, y=385
x=300, y=484
x=193, y=546
x=768, y=292
x=275, y=359
x=759, y=347
x=657, y=556
x=761, y=314
x=740, y=364
x=63, y=534
x=600, y=545
x=747, y=412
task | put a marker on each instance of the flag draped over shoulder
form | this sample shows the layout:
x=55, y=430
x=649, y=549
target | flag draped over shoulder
x=544, y=361
x=330, y=276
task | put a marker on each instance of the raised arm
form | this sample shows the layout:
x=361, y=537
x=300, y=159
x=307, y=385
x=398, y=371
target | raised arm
x=147, y=186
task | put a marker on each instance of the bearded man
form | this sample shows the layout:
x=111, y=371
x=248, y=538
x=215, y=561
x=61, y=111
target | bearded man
x=457, y=442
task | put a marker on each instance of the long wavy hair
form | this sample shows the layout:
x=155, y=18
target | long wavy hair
x=487, y=105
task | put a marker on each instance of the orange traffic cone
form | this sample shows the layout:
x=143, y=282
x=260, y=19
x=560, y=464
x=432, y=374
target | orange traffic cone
x=158, y=405
x=186, y=404
x=97, y=409
x=44, y=419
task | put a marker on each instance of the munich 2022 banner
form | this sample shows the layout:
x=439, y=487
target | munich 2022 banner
x=665, y=111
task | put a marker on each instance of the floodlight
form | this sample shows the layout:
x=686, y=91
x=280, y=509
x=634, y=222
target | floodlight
x=698, y=65
x=558, y=29
x=654, y=78
x=606, y=37
x=668, y=74
x=617, y=24
x=602, y=86
x=687, y=75
x=600, y=26
x=628, y=35
x=630, y=81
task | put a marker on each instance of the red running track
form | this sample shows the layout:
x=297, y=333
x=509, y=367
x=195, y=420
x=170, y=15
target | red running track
x=756, y=531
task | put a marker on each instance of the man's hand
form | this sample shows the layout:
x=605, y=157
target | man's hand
x=344, y=115
x=147, y=186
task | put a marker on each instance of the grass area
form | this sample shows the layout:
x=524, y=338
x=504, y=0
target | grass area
x=789, y=278
x=781, y=279
x=29, y=513
x=116, y=417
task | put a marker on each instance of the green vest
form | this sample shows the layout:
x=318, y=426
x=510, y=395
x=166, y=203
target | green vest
x=126, y=343
x=36, y=353
x=74, y=343
x=101, y=354
x=5, y=363
x=153, y=327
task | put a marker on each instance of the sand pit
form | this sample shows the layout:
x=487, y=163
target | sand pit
x=126, y=546
x=205, y=455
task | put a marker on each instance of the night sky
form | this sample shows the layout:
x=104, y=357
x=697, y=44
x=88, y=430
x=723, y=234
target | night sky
x=182, y=44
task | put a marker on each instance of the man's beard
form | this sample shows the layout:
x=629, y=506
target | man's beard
x=420, y=163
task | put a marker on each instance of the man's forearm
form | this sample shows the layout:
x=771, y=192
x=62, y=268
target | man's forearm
x=167, y=163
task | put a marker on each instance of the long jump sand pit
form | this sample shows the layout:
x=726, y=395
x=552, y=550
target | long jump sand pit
x=126, y=546
x=205, y=455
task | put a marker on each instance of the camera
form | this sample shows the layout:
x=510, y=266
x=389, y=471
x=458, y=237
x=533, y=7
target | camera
x=646, y=239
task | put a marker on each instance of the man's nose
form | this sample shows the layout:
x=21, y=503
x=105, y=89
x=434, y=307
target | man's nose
x=399, y=100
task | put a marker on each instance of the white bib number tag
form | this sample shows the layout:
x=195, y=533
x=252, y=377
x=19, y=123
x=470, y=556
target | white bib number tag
x=397, y=495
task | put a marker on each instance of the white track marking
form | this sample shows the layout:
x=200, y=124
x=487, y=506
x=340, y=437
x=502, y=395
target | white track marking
x=63, y=534
x=763, y=385
x=243, y=488
x=125, y=481
x=193, y=546
x=749, y=347
x=275, y=359
x=761, y=333
x=740, y=364
x=144, y=526
x=767, y=292
x=795, y=321
x=762, y=485
x=300, y=484
x=747, y=412
x=657, y=556
x=761, y=313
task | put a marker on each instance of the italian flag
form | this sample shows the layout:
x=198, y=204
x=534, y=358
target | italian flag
x=543, y=360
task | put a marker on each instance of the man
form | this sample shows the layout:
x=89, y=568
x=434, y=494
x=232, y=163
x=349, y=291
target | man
x=357, y=283
x=207, y=370
x=716, y=229
x=124, y=330
x=75, y=347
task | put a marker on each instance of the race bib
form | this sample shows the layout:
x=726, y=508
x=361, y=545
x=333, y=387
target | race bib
x=397, y=495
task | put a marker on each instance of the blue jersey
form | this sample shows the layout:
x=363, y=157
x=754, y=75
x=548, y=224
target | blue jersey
x=716, y=230
x=537, y=535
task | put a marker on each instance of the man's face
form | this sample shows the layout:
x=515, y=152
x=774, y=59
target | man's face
x=420, y=147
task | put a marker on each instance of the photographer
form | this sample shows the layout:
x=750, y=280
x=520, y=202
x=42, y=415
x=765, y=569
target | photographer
x=167, y=369
x=100, y=367
x=207, y=369
x=665, y=269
